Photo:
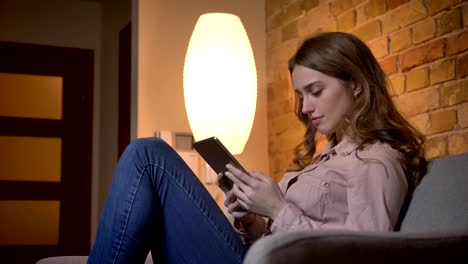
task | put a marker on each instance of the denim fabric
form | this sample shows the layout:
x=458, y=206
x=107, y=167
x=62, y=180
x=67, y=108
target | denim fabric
x=156, y=203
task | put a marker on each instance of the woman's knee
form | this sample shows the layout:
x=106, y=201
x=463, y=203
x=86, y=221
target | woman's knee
x=152, y=144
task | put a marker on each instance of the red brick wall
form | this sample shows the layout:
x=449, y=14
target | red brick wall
x=421, y=44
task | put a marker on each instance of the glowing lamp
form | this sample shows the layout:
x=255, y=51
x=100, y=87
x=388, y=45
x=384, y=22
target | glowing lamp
x=220, y=81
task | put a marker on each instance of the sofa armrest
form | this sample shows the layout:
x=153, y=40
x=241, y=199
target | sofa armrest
x=64, y=260
x=360, y=247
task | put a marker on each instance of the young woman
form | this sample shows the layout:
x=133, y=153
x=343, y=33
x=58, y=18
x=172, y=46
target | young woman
x=359, y=182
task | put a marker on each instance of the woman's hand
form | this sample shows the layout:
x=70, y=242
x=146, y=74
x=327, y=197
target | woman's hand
x=256, y=192
x=233, y=206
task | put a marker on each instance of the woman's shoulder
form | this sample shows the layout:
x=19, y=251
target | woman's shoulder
x=380, y=151
x=380, y=160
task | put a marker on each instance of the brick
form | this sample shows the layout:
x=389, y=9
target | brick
x=458, y=143
x=436, y=147
x=313, y=21
x=368, y=31
x=346, y=21
x=423, y=54
x=278, y=90
x=392, y=4
x=404, y=16
x=421, y=123
x=286, y=141
x=417, y=78
x=463, y=115
x=400, y=41
x=379, y=47
x=273, y=39
x=320, y=137
x=292, y=12
x=307, y=5
x=280, y=55
x=283, y=123
x=449, y=22
x=280, y=162
x=424, y=31
x=443, y=121
x=330, y=26
x=289, y=31
x=340, y=6
x=454, y=94
x=462, y=66
x=443, y=71
x=396, y=85
x=376, y=8
x=274, y=21
x=275, y=109
x=435, y=6
x=292, y=95
x=457, y=43
x=273, y=72
x=272, y=6
x=418, y=102
x=361, y=14
x=389, y=65
x=284, y=156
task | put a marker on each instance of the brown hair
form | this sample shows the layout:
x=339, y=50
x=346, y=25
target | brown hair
x=374, y=116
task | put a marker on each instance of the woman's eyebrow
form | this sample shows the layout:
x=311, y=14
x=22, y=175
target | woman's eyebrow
x=311, y=85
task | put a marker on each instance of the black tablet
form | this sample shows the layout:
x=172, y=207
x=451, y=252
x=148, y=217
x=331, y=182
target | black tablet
x=217, y=156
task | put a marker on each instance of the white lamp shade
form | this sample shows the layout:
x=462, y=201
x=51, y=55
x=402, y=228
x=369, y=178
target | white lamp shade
x=220, y=81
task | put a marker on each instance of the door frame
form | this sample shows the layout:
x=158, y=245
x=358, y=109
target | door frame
x=76, y=67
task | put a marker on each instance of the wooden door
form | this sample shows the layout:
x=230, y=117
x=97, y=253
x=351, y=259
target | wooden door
x=45, y=151
x=125, y=63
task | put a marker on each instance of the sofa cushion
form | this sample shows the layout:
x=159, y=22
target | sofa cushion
x=64, y=260
x=439, y=203
x=359, y=247
x=77, y=260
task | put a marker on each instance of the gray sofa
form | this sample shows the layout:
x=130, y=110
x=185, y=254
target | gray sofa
x=433, y=230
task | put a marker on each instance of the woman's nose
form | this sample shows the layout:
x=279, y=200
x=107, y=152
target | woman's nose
x=307, y=106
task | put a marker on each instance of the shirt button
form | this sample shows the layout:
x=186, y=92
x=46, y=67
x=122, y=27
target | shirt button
x=326, y=184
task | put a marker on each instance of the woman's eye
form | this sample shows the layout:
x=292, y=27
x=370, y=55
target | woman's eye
x=317, y=93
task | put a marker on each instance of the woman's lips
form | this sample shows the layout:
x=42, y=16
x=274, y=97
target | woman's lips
x=316, y=120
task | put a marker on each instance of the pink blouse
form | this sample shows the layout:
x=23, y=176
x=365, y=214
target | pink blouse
x=346, y=189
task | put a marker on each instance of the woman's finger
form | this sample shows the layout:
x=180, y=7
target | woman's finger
x=258, y=175
x=243, y=204
x=239, y=193
x=239, y=214
x=231, y=207
x=245, y=178
x=235, y=206
x=235, y=179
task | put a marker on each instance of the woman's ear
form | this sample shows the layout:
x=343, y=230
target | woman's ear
x=357, y=89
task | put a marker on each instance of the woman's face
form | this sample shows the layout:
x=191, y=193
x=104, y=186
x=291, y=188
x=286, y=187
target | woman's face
x=325, y=100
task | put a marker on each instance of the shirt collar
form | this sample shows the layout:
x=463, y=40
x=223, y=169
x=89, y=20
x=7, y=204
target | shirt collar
x=344, y=148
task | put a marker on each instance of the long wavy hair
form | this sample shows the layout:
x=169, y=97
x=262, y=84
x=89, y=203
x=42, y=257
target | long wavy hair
x=374, y=117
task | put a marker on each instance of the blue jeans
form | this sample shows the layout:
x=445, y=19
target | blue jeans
x=156, y=203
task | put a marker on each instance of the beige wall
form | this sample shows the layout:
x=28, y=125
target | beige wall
x=164, y=30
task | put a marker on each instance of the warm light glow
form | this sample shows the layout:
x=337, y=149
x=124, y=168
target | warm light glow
x=220, y=81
